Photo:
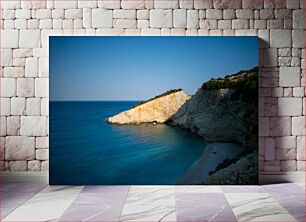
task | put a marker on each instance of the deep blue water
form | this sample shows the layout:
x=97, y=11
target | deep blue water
x=84, y=149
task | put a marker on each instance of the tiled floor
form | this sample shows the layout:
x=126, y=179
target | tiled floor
x=39, y=202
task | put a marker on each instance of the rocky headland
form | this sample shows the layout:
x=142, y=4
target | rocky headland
x=156, y=110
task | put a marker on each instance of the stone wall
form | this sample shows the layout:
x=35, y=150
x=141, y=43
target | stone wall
x=26, y=26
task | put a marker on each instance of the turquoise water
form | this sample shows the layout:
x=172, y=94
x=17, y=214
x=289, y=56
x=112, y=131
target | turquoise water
x=84, y=149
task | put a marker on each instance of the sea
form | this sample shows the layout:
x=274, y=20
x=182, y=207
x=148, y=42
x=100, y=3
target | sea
x=86, y=150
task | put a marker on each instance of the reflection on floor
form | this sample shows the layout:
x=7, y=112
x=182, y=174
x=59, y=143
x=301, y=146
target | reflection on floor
x=40, y=202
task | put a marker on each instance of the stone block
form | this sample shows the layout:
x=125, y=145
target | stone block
x=58, y=14
x=18, y=106
x=301, y=148
x=13, y=72
x=33, y=106
x=65, y=4
x=87, y=4
x=264, y=38
x=284, y=52
x=271, y=168
x=10, y=5
x=192, y=19
x=283, y=14
x=23, y=14
x=133, y=4
x=34, y=165
x=42, y=154
x=9, y=38
x=240, y=24
x=150, y=32
x=270, y=57
x=295, y=62
x=43, y=68
x=160, y=18
x=298, y=126
x=288, y=165
x=289, y=106
x=18, y=166
x=285, y=154
x=109, y=4
x=227, y=4
x=125, y=14
x=8, y=14
x=22, y=53
x=293, y=4
x=19, y=148
x=178, y=32
x=264, y=126
x=245, y=14
x=166, y=4
x=73, y=13
x=142, y=24
x=214, y=14
x=229, y=14
x=186, y=4
x=44, y=107
x=269, y=149
x=285, y=142
x=125, y=23
x=42, y=142
x=102, y=18
x=8, y=87
x=29, y=38
x=280, y=126
x=41, y=87
x=266, y=14
x=13, y=125
x=43, y=13
x=86, y=18
x=5, y=106
x=289, y=76
x=298, y=38
x=143, y=14
x=299, y=19
x=31, y=67
x=33, y=126
x=298, y=92
x=46, y=24
x=25, y=87
x=19, y=62
x=3, y=130
x=6, y=57
x=280, y=38
x=224, y=24
x=301, y=166
x=45, y=165
x=252, y=4
x=179, y=18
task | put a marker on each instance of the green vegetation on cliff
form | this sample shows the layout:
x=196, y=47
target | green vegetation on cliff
x=245, y=82
x=161, y=95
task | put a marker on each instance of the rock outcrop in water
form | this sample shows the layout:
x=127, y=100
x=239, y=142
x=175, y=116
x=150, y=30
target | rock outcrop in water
x=157, y=110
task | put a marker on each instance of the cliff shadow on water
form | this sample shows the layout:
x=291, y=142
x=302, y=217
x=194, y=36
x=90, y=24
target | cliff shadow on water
x=224, y=113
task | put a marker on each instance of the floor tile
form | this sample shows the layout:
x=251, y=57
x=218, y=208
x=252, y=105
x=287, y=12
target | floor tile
x=283, y=188
x=242, y=189
x=257, y=207
x=47, y=205
x=106, y=189
x=203, y=207
x=298, y=212
x=198, y=189
x=290, y=199
x=22, y=187
x=97, y=203
x=149, y=203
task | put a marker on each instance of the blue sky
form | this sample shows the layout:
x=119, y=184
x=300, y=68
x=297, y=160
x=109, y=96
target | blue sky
x=138, y=68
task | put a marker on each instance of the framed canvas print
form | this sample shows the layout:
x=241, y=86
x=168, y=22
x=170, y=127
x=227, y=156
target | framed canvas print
x=153, y=110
